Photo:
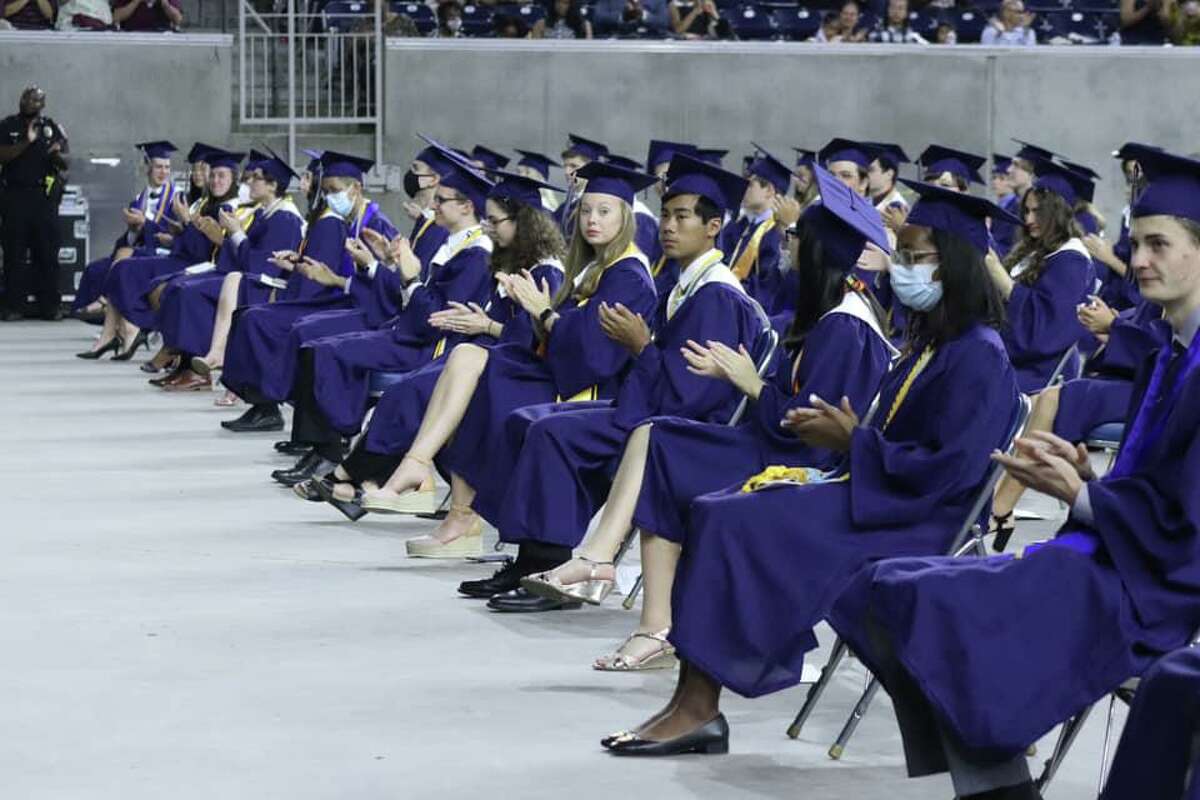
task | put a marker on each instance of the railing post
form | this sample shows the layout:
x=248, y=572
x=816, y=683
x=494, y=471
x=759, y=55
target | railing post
x=242, y=62
x=291, y=37
x=377, y=89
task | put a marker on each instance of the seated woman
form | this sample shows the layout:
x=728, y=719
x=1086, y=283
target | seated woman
x=191, y=316
x=837, y=349
x=525, y=238
x=1044, y=279
x=573, y=359
x=983, y=656
x=761, y=563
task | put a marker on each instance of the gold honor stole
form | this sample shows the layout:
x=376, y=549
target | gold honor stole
x=745, y=258
x=440, y=348
x=164, y=202
x=800, y=475
x=681, y=293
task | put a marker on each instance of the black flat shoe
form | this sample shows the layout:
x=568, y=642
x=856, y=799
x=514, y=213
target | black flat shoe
x=141, y=340
x=522, y=601
x=289, y=448
x=112, y=345
x=151, y=369
x=711, y=738
x=308, y=467
x=257, y=419
x=505, y=579
x=351, y=509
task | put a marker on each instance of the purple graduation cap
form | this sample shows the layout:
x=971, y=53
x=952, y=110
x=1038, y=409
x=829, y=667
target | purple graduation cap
x=614, y=180
x=770, y=169
x=314, y=160
x=435, y=157
x=586, y=148
x=689, y=175
x=1033, y=152
x=1172, y=183
x=341, y=165
x=805, y=157
x=490, y=159
x=843, y=221
x=662, y=151
x=276, y=169
x=199, y=153
x=160, y=149
x=461, y=175
x=961, y=214
x=254, y=158
x=1086, y=185
x=891, y=156
x=511, y=186
x=1129, y=150
x=622, y=161
x=536, y=161
x=712, y=155
x=1063, y=181
x=846, y=150
x=936, y=160
x=1000, y=163
x=224, y=158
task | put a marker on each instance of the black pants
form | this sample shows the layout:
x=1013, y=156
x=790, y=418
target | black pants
x=309, y=425
x=30, y=225
x=363, y=465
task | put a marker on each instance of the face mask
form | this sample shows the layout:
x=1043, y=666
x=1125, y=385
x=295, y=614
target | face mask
x=915, y=287
x=412, y=183
x=340, y=203
x=243, y=193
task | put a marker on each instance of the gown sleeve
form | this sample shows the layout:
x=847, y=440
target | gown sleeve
x=1042, y=319
x=463, y=279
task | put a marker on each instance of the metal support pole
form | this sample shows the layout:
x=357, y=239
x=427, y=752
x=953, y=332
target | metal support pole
x=291, y=38
x=377, y=89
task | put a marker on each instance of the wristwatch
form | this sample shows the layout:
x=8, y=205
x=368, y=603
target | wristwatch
x=545, y=315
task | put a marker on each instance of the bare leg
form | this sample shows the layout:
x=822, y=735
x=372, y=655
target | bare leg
x=155, y=296
x=461, y=520
x=660, y=557
x=226, y=305
x=109, y=329
x=697, y=701
x=446, y=408
x=121, y=254
x=1041, y=418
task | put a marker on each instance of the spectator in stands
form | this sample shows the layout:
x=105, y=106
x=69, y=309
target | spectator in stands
x=846, y=27
x=1012, y=27
x=28, y=15
x=1183, y=21
x=508, y=26
x=1145, y=21
x=698, y=19
x=630, y=17
x=894, y=28
x=563, y=20
x=449, y=17
x=945, y=34
x=147, y=15
x=84, y=15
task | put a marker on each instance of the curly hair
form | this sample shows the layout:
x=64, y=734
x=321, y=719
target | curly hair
x=580, y=255
x=536, y=241
x=1057, y=222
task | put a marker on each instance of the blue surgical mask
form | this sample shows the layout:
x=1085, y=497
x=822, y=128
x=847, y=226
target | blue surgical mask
x=340, y=203
x=915, y=287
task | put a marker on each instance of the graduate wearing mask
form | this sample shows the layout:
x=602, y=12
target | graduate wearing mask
x=579, y=153
x=1045, y=278
x=753, y=243
x=975, y=683
x=836, y=347
x=569, y=451
x=903, y=485
x=524, y=237
x=463, y=427
x=420, y=184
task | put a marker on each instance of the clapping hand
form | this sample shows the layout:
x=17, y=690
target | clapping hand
x=526, y=292
x=209, y=227
x=719, y=360
x=359, y=252
x=1097, y=316
x=894, y=217
x=1048, y=464
x=624, y=327
x=230, y=222
x=180, y=208
x=787, y=210
x=469, y=319
x=823, y=425
x=413, y=210
x=286, y=260
x=400, y=252
x=376, y=241
x=319, y=272
x=134, y=218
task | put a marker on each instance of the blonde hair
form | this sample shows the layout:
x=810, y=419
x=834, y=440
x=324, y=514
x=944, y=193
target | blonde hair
x=580, y=255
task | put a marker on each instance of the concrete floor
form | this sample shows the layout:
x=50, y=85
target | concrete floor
x=174, y=625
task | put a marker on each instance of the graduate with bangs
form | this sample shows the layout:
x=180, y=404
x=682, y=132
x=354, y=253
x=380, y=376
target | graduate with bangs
x=761, y=563
x=975, y=682
x=647, y=221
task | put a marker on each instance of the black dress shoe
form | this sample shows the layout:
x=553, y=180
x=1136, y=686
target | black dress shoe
x=309, y=466
x=711, y=738
x=51, y=315
x=506, y=579
x=290, y=448
x=257, y=419
x=522, y=601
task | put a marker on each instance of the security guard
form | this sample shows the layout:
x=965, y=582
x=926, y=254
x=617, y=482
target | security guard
x=32, y=178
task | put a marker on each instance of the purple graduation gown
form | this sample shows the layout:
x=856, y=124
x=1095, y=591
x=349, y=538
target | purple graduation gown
x=399, y=412
x=1072, y=625
x=1004, y=234
x=579, y=362
x=842, y=357
x=1119, y=291
x=1157, y=749
x=1042, y=317
x=646, y=237
x=759, y=570
x=567, y=455
x=764, y=278
x=343, y=363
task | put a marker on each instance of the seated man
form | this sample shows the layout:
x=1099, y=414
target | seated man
x=753, y=243
x=147, y=15
x=975, y=681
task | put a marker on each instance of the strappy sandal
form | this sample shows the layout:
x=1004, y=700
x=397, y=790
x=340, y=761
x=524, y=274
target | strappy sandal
x=352, y=509
x=307, y=490
x=663, y=657
x=591, y=590
x=1002, y=526
x=227, y=400
x=420, y=501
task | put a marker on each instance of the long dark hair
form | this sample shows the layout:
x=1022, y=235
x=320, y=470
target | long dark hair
x=969, y=296
x=574, y=17
x=537, y=240
x=821, y=287
x=1057, y=221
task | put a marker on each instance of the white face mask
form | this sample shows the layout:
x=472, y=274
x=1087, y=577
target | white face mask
x=915, y=287
x=340, y=203
x=453, y=24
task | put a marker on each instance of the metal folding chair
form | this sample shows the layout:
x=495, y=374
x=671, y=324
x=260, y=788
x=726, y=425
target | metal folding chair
x=1107, y=438
x=968, y=539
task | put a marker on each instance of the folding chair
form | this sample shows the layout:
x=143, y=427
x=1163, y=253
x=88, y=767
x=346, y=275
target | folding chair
x=764, y=352
x=969, y=539
x=1106, y=437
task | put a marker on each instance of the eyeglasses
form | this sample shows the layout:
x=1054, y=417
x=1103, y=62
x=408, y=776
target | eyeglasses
x=907, y=258
x=439, y=200
x=493, y=222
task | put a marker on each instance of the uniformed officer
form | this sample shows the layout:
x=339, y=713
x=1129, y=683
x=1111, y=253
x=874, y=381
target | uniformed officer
x=33, y=169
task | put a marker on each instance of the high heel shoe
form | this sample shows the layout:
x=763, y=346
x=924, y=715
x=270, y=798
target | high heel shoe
x=141, y=340
x=113, y=344
x=591, y=590
x=1003, y=528
x=711, y=738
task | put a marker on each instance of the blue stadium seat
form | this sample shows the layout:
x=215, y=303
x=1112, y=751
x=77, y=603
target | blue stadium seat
x=923, y=23
x=341, y=15
x=796, y=24
x=528, y=13
x=969, y=24
x=421, y=15
x=476, y=20
x=1081, y=27
x=751, y=22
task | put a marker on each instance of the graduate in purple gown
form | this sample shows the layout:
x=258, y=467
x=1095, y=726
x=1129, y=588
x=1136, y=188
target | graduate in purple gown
x=129, y=281
x=1044, y=279
x=1118, y=287
x=1004, y=234
x=524, y=237
x=568, y=451
x=579, y=153
x=646, y=237
x=975, y=681
x=1157, y=757
x=763, y=561
x=332, y=379
x=573, y=360
x=753, y=243
x=837, y=349
x=147, y=215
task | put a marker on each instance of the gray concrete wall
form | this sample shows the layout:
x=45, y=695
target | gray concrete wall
x=110, y=90
x=1077, y=100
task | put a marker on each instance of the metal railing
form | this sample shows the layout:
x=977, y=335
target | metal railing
x=299, y=67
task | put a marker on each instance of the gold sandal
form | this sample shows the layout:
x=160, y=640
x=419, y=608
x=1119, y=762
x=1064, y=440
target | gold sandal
x=591, y=590
x=663, y=657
